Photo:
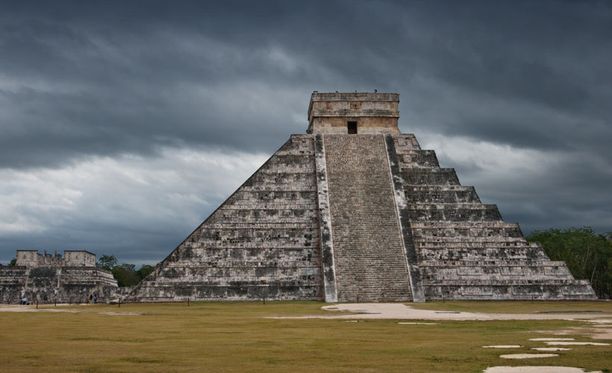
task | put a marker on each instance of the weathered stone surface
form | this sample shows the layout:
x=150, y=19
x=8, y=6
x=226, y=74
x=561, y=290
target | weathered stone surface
x=373, y=113
x=45, y=278
x=369, y=253
x=262, y=242
x=325, y=227
x=357, y=217
x=465, y=250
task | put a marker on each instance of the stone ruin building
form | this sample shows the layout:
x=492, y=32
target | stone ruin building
x=50, y=278
x=355, y=211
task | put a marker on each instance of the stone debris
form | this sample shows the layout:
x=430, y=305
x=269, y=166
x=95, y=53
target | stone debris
x=527, y=356
x=550, y=349
x=551, y=339
x=355, y=211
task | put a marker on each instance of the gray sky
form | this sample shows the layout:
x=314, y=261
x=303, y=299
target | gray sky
x=124, y=124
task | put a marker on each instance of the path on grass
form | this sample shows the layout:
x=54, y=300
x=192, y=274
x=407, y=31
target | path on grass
x=399, y=311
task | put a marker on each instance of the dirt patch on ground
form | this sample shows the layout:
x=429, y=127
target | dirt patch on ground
x=563, y=343
x=595, y=328
x=527, y=356
x=121, y=313
x=400, y=311
x=535, y=369
x=503, y=346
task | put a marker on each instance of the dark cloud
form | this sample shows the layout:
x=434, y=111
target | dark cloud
x=108, y=79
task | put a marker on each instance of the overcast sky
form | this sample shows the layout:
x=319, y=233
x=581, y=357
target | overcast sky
x=124, y=124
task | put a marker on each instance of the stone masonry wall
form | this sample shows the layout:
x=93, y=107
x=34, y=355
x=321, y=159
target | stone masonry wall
x=465, y=250
x=55, y=284
x=369, y=257
x=263, y=242
x=357, y=218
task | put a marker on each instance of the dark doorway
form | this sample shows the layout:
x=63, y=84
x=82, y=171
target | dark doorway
x=352, y=128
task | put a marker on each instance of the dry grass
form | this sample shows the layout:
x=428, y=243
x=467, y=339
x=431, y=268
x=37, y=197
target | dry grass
x=235, y=337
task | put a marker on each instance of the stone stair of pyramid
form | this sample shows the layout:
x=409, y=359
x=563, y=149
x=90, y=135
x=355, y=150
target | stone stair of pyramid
x=370, y=261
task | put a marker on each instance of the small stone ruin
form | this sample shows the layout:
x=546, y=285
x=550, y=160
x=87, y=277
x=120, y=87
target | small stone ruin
x=52, y=278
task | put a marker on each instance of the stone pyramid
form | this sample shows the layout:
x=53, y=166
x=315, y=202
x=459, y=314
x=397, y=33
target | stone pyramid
x=355, y=211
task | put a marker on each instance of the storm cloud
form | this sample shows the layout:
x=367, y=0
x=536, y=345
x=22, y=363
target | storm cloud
x=124, y=124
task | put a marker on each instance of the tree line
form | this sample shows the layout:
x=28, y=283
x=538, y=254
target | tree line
x=588, y=255
x=126, y=274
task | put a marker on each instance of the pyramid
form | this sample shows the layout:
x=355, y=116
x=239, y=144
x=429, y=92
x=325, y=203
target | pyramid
x=355, y=211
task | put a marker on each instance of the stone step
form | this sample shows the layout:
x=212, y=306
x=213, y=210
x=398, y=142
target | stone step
x=563, y=291
x=281, y=184
x=153, y=292
x=272, y=205
x=246, y=242
x=260, y=226
x=493, y=273
x=467, y=212
x=480, y=255
x=279, y=245
x=262, y=216
x=511, y=262
x=492, y=281
x=477, y=231
x=406, y=142
x=269, y=196
x=442, y=195
x=416, y=158
x=229, y=274
x=435, y=225
x=433, y=176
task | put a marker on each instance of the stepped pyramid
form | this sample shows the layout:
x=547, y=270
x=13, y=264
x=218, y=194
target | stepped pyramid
x=355, y=211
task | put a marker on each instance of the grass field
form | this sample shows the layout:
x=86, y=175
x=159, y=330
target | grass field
x=235, y=337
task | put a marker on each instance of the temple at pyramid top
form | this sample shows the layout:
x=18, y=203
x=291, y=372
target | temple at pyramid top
x=353, y=113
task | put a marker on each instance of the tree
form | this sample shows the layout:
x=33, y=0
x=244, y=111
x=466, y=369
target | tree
x=144, y=271
x=107, y=262
x=588, y=255
x=126, y=275
x=13, y=262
